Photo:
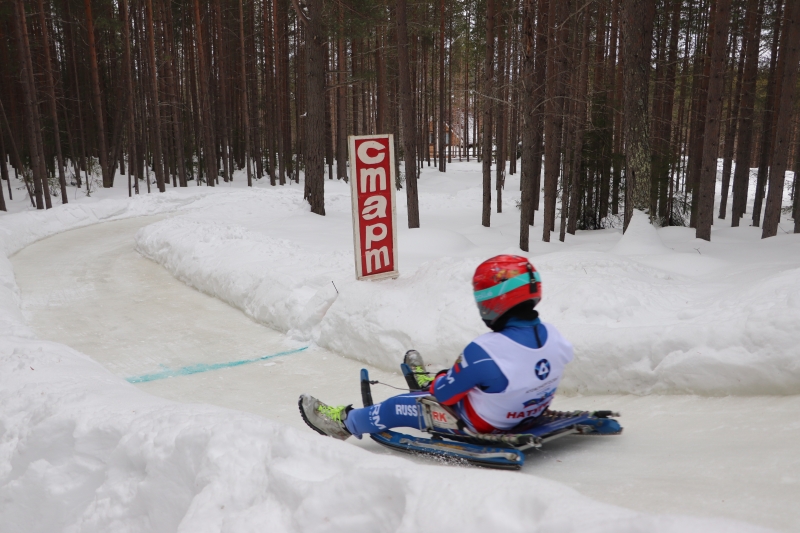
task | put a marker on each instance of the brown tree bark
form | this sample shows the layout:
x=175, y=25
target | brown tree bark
x=789, y=58
x=540, y=73
x=246, y=106
x=341, y=108
x=51, y=93
x=581, y=94
x=637, y=21
x=741, y=175
x=175, y=98
x=270, y=92
x=32, y=122
x=730, y=133
x=382, y=106
x=222, y=108
x=527, y=117
x=768, y=127
x=128, y=66
x=156, y=116
x=280, y=21
x=407, y=108
x=314, y=149
x=209, y=146
x=441, y=128
x=711, y=132
x=553, y=120
x=499, y=102
x=488, y=91
x=700, y=76
x=108, y=177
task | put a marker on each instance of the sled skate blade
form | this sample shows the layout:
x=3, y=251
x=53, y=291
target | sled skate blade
x=490, y=457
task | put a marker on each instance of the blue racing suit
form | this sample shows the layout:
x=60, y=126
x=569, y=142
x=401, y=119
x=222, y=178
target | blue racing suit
x=474, y=368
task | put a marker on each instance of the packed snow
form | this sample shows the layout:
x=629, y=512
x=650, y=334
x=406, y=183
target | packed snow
x=655, y=311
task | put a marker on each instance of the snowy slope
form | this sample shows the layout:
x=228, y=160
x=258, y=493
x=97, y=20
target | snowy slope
x=651, y=311
x=82, y=450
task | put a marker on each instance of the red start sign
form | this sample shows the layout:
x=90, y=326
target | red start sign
x=372, y=181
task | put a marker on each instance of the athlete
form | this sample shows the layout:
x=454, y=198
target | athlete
x=501, y=379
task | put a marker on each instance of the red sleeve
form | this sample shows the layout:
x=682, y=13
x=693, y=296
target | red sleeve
x=453, y=399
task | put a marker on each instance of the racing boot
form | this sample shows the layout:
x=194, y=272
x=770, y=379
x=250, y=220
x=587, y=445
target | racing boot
x=324, y=419
x=414, y=361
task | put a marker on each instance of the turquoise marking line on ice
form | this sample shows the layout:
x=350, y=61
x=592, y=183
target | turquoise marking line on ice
x=202, y=367
x=502, y=288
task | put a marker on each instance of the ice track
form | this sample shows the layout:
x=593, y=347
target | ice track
x=735, y=457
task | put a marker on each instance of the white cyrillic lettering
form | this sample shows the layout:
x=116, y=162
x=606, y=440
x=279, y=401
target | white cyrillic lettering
x=372, y=175
x=370, y=145
x=373, y=258
x=375, y=233
x=374, y=207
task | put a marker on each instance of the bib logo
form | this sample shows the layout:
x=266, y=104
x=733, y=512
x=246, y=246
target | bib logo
x=405, y=410
x=542, y=369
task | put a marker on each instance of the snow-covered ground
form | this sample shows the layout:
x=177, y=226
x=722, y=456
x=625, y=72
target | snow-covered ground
x=653, y=312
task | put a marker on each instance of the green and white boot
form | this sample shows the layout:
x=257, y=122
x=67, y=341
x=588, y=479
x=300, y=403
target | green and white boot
x=414, y=360
x=324, y=419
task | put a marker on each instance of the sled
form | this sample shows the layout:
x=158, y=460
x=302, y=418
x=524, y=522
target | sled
x=452, y=440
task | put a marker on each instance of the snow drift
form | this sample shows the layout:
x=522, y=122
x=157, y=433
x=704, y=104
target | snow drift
x=717, y=319
x=82, y=450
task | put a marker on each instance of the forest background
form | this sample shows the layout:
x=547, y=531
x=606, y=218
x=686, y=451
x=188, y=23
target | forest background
x=604, y=105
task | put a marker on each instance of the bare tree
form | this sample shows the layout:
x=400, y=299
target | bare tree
x=708, y=177
x=789, y=58
x=637, y=23
x=488, y=91
x=314, y=151
x=406, y=103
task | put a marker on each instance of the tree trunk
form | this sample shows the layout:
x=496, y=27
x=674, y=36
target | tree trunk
x=789, y=57
x=209, y=146
x=407, y=107
x=500, y=97
x=741, y=175
x=442, y=134
x=33, y=124
x=528, y=125
x=280, y=22
x=768, y=129
x=488, y=90
x=246, y=106
x=553, y=121
x=108, y=178
x=711, y=132
x=581, y=94
x=128, y=66
x=314, y=149
x=51, y=92
x=156, y=124
x=175, y=97
x=637, y=21
x=730, y=134
x=540, y=73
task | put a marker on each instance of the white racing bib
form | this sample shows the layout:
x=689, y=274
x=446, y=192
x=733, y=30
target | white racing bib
x=533, y=376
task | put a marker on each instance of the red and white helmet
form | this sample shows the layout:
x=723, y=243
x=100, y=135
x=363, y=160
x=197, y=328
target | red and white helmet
x=503, y=282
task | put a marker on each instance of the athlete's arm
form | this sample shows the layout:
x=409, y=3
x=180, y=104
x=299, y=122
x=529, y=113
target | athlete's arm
x=473, y=369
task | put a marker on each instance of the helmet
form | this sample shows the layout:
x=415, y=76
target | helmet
x=503, y=282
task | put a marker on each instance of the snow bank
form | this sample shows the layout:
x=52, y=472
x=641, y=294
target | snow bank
x=645, y=317
x=82, y=450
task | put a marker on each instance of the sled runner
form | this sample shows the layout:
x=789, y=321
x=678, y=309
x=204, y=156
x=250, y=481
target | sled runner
x=452, y=440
